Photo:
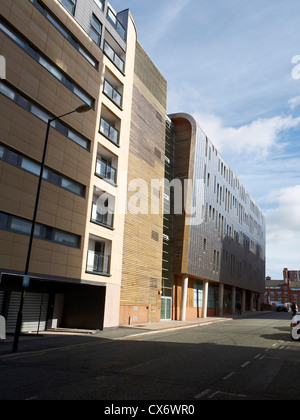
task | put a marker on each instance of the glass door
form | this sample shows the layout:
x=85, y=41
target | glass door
x=166, y=309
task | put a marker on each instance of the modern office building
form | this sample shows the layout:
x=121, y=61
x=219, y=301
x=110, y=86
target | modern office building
x=139, y=218
x=217, y=233
x=60, y=55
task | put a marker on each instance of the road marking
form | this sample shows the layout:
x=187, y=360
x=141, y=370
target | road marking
x=257, y=356
x=226, y=393
x=229, y=376
x=245, y=364
x=199, y=396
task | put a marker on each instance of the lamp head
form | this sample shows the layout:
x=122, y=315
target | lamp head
x=82, y=109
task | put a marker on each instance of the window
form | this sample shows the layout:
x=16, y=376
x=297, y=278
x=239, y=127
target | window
x=47, y=233
x=103, y=209
x=112, y=93
x=109, y=131
x=113, y=56
x=30, y=166
x=3, y=221
x=65, y=238
x=98, y=258
x=65, y=32
x=211, y=301
x=105, y=170
x=198, y=294
x=70, y=5
x=100, y=3
x=112, y=18
x=96, y=30
x=12, y=157
x=34, y=168
x=45, y=62
x=38, y=111
x=20, y=225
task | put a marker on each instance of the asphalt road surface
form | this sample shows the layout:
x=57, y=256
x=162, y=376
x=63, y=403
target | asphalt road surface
x=243, y=359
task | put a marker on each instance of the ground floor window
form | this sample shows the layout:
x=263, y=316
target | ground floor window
x=212, y=300
x=198, y=294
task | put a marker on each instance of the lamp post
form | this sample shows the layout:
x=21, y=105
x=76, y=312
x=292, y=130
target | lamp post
x=81, y=109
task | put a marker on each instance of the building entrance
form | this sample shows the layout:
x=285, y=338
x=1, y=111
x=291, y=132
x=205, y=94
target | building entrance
x=166, y=309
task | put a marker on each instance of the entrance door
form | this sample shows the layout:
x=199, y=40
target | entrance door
x=166, y=309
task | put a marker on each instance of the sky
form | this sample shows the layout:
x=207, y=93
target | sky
x=235, y=66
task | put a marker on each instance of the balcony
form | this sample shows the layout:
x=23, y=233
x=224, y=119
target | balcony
x=114, y=56
x=112, y=93
x=102, y=216
x=98, y=263
x=105, y=171
x=112, y=18
x=108, y=130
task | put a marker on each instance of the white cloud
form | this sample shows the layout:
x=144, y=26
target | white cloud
x=283, y=230
x=284, y=220
x=294, y=103
x=257, y=138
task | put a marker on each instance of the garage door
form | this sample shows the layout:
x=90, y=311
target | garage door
x=34, y=310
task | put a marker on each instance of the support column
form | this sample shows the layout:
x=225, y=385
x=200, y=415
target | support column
x=244, y=300
x=251, y=301
x=221, y=299
x=233, y=300
x=185, y=283
x=205, y=298
x=259, y=303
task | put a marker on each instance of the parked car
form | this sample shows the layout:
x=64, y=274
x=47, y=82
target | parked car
x=295, y=327
x=281, y=308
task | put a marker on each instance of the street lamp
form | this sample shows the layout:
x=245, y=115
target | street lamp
x=81, y=109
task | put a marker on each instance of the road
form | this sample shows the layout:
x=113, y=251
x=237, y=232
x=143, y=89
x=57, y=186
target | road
x=243, y=359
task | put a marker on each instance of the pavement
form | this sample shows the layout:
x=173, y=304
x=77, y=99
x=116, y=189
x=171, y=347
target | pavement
x=32, y=342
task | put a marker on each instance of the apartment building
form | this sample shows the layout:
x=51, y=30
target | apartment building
x=59, y=56
x=217, y=255
x=139, y=218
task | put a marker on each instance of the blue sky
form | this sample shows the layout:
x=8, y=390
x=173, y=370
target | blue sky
x=229, y=64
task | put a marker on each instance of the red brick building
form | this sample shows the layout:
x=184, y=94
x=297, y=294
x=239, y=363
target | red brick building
x=284, y=291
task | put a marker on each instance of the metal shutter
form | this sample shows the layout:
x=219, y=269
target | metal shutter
x=1, y=301
x=31, y=312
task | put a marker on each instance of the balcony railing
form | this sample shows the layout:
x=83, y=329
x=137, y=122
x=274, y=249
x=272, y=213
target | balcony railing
x=112, y=93
x=109, y=131
x=115, y=58
x=103, y=218
x=98, y=263
x=105, y=171
x=112, y=18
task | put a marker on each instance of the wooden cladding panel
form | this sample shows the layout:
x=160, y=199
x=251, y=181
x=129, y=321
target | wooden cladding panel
x=142, y=254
